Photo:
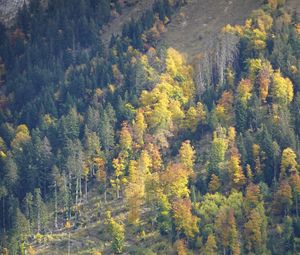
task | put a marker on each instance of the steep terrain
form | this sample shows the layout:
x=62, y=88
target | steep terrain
x=193, y=29
x=197, y=24
x=114, y=27
x=120, y=151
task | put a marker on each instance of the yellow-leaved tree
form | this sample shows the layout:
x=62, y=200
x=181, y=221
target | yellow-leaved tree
x=224, y=108
x=244, y=90
x=22, y=135
x=175, y=180
x=125, y=138
x=187, y=155
x=139, y=127
x=265, y=80
x=119, y=178
x=156, y=159
x=177, y=67
x=288, y=162
x=156, y=109
x=185, y=221
x=134, y=192
x=195, y=116
x=180, y=247
x=282, y=89
x=235, y=168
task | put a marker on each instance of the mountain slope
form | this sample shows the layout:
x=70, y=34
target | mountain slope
x=129, y=149
x=195, y=27
x=129, y=12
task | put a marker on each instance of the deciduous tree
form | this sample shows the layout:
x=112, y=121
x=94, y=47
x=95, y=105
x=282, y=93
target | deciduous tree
x=282, y=89
x=227, y=232
x=210, y=247
x=187, y=155
x=185, y=221
x=175, y=181
x=288, y=163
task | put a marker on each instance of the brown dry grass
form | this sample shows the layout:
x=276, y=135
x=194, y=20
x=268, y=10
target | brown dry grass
x=196, y=26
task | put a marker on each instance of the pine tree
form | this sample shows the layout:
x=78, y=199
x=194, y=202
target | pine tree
x=40, y=213
x=21, y=227
x=107, y=127
x=28, y=204
x=217, y=153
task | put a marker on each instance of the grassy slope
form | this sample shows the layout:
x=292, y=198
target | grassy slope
x=195, y=27
x=92, y=235
x=198, y=23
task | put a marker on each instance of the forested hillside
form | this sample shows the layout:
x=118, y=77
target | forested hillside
x=128, y=148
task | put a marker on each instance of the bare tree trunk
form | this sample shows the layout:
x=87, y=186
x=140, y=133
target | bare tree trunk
x=297, y=212
x=105, y=188
x=69, y=242
x=118, y=192
x=105, y=196
x=80, y=189
x=69, y=198
x=76, y=191
x=55, y=206
x=38, y=221
x=3, y=214
x=86, y=188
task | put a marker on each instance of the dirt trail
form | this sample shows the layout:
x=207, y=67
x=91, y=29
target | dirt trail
x=197, y=24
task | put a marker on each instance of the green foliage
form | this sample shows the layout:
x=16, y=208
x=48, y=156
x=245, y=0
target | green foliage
x=218, y=150
x=127, y=115
x=117, y=233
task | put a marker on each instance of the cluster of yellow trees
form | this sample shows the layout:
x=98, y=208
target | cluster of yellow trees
x=142, y=178
x=140, y=175
x=139, y=169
